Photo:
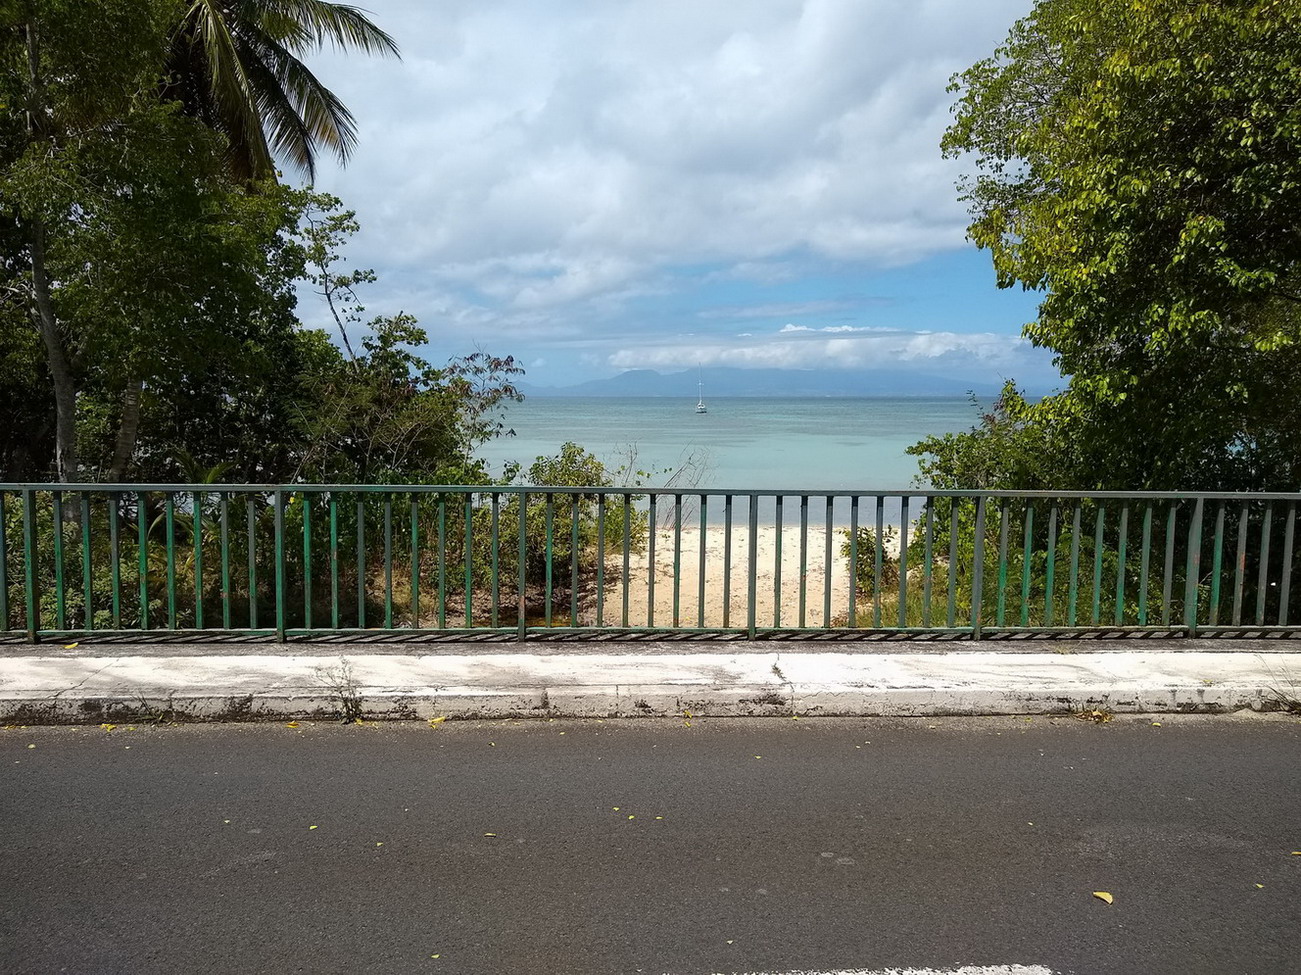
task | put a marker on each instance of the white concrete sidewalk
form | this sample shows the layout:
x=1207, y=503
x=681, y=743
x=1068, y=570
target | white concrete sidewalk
x=377, y=684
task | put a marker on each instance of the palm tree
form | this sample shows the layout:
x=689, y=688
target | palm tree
x=234, y=64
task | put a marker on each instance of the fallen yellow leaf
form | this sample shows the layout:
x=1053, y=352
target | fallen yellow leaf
x=435, y=722
x=108, y=727
x=311, y=827
x=1156, y=724
x=1260, y=886
x=489, y=834
x=1102, y=895
x=632, y=817
x=69, y=646
x=31, y=746
x=291, y=724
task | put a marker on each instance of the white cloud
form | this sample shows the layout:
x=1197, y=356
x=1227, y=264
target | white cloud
x=537, y=164
x=792, y=348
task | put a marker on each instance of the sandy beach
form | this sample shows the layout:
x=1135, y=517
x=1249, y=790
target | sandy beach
x=773, y=591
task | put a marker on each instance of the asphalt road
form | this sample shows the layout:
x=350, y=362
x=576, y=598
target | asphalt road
x=767, y=845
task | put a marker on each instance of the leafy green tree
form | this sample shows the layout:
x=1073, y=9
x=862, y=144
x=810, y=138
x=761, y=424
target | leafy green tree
x=1140, y=164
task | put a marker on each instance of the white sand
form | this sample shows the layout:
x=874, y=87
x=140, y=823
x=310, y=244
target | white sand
x=688, y=582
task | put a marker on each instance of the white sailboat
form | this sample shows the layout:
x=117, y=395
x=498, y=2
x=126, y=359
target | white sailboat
x=700, y=395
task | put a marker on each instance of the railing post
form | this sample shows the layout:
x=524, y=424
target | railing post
x=29, y=566
x=752, y=570
x=1194, y=569
x=280, y=565
x=978, y=570
x=523, y=554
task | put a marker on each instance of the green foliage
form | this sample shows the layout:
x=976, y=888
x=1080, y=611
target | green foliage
x=1140, y=164
x=863, y=554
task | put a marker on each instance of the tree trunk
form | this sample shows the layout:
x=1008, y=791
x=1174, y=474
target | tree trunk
x=65, y=387
x=127, y=430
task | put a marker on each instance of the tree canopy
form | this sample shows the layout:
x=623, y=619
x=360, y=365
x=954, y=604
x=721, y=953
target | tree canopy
x=150, y=261
x=1139, y=163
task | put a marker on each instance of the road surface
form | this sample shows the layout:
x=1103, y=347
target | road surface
x=661, y=846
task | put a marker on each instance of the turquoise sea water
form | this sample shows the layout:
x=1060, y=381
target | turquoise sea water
x=762, y=444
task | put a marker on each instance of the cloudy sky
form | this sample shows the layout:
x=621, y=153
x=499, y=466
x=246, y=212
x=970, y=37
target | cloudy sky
x=599, y=185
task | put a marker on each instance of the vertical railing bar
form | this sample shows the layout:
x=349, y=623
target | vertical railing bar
x=1168, y=579
x=1144, y=565
x=1217, y=565
x=1027, y=554
x=1099, y=539
x=87, y=579
x=223, y=515
x=1073, y=582
x=1001, y=611
x=495, y=544
x=573, y=563
x=307, y=498
x=1285, y=584
x=31, y=595
x=928, y=561
x=903, y=561
x=281, y=600
x=954, y=521
x=677, y=560
x=853, y=560
x=627, y=544
x=142, y=557
x=196, y=501
x=1266, y=527
x=650, y=563
x=414, y=533
x=879, y=554
x=388, y=560
x=700, y=587
x=468, y=555
x=727, y=561
x=600, y=560
x=777, y=565
x=549, y=523
x=334, y=561
x=522, y=567
x=804, y=559
x=114, y=559
x=361, y=562
x=4, y=566
x=1240, y=563
x=978, y=572
x=442, y=562
x=60, y=606
x=1122, y=542
x=1050, y=566
x=1003, y=517
x=170, y=519
x=251, y=524
x=1193, y=568
x=828, y=566
x=752, y=569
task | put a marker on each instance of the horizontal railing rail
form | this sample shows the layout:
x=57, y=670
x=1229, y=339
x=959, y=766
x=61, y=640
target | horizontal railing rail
x=514, y=561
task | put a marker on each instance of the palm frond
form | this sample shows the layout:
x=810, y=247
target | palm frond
x=304, y=25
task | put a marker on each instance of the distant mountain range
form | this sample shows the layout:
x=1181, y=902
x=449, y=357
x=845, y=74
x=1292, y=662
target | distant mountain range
x=772, y=382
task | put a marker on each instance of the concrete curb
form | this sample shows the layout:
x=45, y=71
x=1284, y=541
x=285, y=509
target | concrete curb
x=261, y=686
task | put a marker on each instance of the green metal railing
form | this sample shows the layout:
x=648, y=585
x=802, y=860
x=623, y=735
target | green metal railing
x=314, y=559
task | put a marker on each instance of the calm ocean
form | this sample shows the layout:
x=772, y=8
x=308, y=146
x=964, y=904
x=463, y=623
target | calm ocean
x=777, y=444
